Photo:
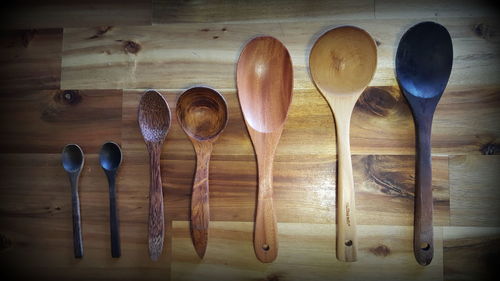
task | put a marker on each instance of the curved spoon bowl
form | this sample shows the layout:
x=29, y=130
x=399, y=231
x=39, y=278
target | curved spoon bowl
x=72, y=158
x=110, y=156
x=154, y=117
x=265, y=83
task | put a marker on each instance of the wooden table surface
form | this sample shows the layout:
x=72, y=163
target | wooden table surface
x=74, y=73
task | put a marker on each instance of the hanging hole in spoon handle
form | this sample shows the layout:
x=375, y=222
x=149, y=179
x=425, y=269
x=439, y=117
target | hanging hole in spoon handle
x=423, y=230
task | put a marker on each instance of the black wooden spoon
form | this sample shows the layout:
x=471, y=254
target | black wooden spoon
x=72, y=162
x=423, y=66
x=111, y=158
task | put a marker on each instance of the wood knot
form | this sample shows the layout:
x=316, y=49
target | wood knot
x=378, y=43
x=69, y=97
x=215, y=37
x=100, y=32
x=224, y=29
x=131, y=47
x=381, y=251
x=205, y=29
x=490, y=149
x=5, y=242
x=377, y=101
x=482, y=30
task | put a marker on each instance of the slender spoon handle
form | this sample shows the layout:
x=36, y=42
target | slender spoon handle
x=265, y=242
x=77, y=224
x=200, y=211
x=423, y=245
x=113, y=217
x=347, y=243
x=156, y=219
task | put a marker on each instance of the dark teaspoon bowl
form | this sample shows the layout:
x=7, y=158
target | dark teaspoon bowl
x=72, y=158
x=110, y=156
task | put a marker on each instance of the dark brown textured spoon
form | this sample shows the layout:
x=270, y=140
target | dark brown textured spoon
x=265, y=84
x=72, y=161
x=154, y=121
x=202, y=113
x=423, y=66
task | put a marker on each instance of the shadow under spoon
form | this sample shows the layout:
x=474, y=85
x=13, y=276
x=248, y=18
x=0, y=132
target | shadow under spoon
x=202, y=114
x=423, y=65
x=154, y=122
x=110, y=158
x=72, y=161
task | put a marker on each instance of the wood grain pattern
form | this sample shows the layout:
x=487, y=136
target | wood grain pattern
x=57, y=13
x=342, y=64
x=202, y=114
x=205, y=53
x=44, y=121
x=306, y=253
x=30, y=59
x=471, y=253
x=474, y=191
x=171, y=11
x=265, y=86
x=153, y=117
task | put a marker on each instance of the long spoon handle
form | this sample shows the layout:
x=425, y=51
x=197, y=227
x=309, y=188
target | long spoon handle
x=156, y=220
x=423, y=245
x=77, y=224
x=346, y=217
x=113, y=217
x=200, y=211
x=265, y=242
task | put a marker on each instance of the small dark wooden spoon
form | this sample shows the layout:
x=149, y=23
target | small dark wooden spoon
x=423, y=66
x=154, y=121
x=72, y=161
x=111, y=158
x=202, y=113
x=265, y=84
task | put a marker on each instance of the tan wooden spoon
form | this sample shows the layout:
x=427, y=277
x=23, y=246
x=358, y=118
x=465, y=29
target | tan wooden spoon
x=342, y=63
x=202, y=113
x=265, y=82
x=154, y=121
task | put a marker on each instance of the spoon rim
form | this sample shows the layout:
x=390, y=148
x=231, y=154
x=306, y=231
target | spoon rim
x=139, y=110
x=407, y=34
x=120, y=153
x=291, y=79
x=80, y=150
x=225, y=109
x=358, y=90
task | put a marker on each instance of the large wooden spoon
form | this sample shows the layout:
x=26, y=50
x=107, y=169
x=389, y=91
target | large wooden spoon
x=154, y=121
x=423, y=66
x=265, y=82
x=202, y=113
x=342, y=63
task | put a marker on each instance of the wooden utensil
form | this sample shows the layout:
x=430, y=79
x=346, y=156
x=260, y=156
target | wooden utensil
x=423, y=66
x=202, y=113
x=154, y=121
x=342, y=63
x=265, y=83
x=72, y=161
x=110, y=158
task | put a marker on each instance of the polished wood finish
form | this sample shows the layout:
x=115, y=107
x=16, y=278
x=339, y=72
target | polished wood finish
x=202, y=114
x=423, y=66
x=36, y=240
x=154, y=122
x=72, y=161
x=342, y=64
x=265, y=82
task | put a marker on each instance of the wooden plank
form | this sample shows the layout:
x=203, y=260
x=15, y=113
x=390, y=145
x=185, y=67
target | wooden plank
x=304, y=170
x=30, y=59
x=306, y=253
x=36, y=229
x=171, y=11
x=474, y=190
x=175, y=56
x=471, y=253
x=57, y=13
x=45, y=121
x=389, y=9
